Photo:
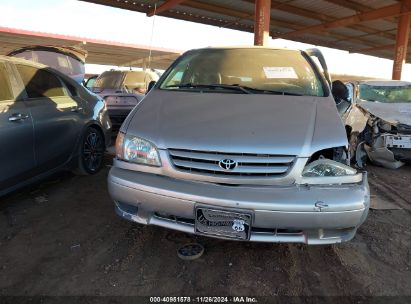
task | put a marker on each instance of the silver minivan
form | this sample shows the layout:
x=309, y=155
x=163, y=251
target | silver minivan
x=241, y=143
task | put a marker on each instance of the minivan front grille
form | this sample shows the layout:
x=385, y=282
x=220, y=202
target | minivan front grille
x=246, y=164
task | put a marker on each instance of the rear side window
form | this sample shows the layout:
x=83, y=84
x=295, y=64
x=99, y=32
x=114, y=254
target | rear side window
x=90, y=82
x=136, y=79
x=40, y=83
x=71, y=88
x=5, y=91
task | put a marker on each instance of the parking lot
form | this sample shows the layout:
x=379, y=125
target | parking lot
x=62, y=237
x=273, y=136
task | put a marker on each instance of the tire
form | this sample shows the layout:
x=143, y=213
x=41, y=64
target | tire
x=91, y=152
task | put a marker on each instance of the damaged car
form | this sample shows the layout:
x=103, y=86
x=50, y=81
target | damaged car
x=240, y=143
x=379, y=121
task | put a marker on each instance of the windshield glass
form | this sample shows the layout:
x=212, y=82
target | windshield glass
x=127, y=80
x=265, y=70
x=385, y=94
x=110, y=80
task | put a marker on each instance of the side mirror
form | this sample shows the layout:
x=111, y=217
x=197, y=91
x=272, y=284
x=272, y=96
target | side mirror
x=151, y=84
x=340, y=91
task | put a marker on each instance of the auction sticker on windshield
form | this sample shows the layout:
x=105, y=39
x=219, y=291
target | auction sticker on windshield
x=280, y=72
x=222, y=223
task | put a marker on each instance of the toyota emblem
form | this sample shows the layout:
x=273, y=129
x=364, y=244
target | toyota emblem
x=227, y=164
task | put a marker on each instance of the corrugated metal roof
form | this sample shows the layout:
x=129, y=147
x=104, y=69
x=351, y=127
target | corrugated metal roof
x=323, y=7
x=292, y=18
x=375, y=37
x=377, y=3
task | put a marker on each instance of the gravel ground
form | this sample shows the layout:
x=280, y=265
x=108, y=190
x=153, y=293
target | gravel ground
x=63, y=238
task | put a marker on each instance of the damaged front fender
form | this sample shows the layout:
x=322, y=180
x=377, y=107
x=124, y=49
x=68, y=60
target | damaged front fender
x=376, y=138
x=382, y=156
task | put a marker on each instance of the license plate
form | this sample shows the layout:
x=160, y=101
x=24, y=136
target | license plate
x=222, y=223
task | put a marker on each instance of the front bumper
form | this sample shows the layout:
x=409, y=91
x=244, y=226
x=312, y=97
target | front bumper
x=280, y=213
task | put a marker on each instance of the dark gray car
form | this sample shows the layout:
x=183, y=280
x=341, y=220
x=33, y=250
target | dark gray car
x=48, y=122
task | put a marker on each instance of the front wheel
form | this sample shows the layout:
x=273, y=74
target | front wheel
x=91, y=152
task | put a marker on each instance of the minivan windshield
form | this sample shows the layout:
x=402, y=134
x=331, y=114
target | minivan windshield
x=244, y=70
x=385, y=94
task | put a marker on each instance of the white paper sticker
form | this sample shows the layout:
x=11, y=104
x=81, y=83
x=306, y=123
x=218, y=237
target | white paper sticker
x=280, y=72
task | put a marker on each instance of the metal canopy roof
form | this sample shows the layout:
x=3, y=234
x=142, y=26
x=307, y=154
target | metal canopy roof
x=99, y=51
x=368, y=27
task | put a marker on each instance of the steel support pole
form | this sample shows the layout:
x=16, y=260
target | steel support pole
x=262, y=22
x=401, y=45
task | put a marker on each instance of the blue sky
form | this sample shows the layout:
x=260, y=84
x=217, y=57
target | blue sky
x=77, y=18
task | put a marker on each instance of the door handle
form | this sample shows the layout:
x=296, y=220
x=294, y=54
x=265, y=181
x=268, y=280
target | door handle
x=18, y=117
x=76, y=109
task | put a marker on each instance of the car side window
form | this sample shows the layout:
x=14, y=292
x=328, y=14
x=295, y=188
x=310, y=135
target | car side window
x=90, y=82
x=70, y=88
x=5, y=90
x=40, y=83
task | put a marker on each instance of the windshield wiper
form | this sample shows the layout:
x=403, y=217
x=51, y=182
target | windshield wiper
x=264, y=91
x=244, y=89
x=211, y=86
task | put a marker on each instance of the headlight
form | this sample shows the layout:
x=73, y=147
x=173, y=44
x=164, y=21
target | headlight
x=136, y=150
x=327, y=167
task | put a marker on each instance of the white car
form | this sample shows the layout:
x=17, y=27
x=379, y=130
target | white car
x=379, y=118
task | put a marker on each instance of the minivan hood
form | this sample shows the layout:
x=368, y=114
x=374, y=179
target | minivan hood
x=394, y=113
x=242, y=123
